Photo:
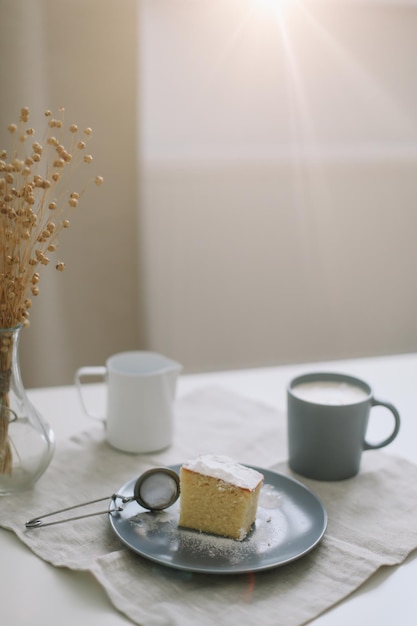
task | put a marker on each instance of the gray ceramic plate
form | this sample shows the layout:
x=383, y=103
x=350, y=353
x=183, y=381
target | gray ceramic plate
x=290, y=522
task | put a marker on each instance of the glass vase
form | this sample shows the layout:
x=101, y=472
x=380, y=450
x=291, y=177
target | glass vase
x=26, y=441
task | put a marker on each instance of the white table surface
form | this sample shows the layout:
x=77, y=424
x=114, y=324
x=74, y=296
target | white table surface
x=33, y=592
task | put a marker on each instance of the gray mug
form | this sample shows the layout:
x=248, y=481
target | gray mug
x=328, y=416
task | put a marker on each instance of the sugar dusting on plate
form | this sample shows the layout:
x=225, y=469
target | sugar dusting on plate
x=265, y=535
x=270, y=498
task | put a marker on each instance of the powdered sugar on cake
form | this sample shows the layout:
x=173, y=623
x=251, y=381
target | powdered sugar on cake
x=225, y=469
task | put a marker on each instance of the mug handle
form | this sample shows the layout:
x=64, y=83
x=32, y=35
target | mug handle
x=86, y=372
x=391, y=437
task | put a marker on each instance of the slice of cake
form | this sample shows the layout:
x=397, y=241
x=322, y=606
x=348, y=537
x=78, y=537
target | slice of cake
x=219, y=496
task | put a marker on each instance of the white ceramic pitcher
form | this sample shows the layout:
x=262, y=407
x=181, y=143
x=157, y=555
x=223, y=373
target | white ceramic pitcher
x=141, y=389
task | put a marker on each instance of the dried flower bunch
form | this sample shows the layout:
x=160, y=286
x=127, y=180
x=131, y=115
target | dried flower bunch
x=35, y=204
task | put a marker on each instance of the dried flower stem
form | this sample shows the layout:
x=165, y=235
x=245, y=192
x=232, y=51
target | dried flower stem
x=6, y=352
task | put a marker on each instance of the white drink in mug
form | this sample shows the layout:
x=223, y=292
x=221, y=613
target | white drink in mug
x=330, y=392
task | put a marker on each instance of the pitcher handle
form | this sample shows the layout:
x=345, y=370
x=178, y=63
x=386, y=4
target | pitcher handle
x=88, y=372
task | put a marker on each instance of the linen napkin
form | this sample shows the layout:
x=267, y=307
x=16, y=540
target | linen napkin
x=371, y=522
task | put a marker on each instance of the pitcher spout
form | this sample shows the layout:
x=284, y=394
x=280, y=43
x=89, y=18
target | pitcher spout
x=173, y=371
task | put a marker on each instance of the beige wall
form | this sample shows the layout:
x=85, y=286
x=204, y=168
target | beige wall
x=242, y=276
x=260, y=178
x=81, y=54
x=279, y=178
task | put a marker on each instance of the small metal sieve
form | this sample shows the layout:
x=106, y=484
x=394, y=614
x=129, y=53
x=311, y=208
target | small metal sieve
x=155, y=490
